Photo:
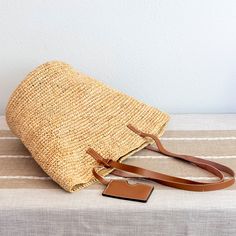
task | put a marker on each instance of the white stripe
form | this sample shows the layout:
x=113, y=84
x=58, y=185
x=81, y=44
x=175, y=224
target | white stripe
x=15, y=156
x=205, y=178
x=24, y=177
x=166, y=157
x=172, y=139
x=130, y=157
x=9, y=138
x=108, y=177
x=183, y=177
x=200, y=138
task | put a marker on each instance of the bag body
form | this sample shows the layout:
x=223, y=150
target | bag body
x=59, y=113
x=79, y=130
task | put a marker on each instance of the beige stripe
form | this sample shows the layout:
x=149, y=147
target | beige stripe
x=20, y=167
x=29, y=167
x=192, y=147
x=163, y=187
x=171, y=166
x=49, y=184
x=177, y=167
x=198, y=148
x=19, y=170
x=6, y=133
x=13, y=147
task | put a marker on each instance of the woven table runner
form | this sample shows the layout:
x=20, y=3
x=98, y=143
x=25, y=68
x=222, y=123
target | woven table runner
x=19, y=170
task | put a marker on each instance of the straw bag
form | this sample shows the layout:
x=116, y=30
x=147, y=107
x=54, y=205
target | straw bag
x=79, y=130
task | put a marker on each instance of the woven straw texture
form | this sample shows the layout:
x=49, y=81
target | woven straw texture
x=59, y=113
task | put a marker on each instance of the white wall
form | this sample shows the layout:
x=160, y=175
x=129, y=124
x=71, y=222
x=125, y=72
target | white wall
x=178, y=55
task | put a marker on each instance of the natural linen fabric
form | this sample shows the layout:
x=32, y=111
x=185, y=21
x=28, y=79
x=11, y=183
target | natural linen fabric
x=58, y=113
x=31, y=205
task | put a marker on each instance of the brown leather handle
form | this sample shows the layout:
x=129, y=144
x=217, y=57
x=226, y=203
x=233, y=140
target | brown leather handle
x=168, y=180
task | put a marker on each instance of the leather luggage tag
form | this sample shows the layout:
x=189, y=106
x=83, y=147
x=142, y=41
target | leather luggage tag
x=122, y=189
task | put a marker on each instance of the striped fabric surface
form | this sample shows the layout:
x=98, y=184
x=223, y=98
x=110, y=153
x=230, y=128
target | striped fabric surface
x=32, y=204
x=19, y=170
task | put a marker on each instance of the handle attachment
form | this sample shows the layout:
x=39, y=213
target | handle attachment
x=172, y=181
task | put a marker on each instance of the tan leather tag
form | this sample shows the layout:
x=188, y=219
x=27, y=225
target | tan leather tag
x=122, y=189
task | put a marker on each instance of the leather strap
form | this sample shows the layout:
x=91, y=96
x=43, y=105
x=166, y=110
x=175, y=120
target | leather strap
x=168, y=180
